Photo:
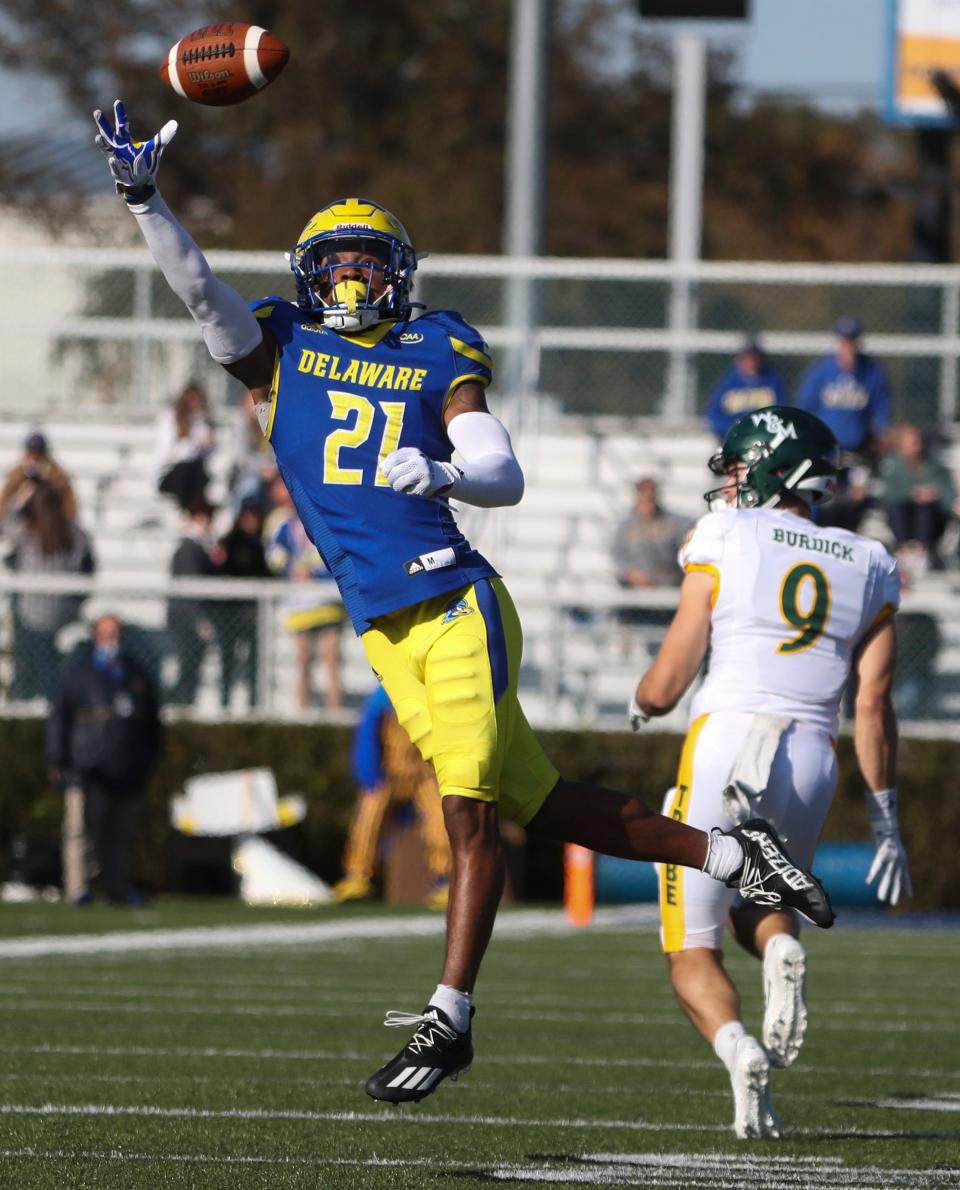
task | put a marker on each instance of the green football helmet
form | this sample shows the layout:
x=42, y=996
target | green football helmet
x=772, y=452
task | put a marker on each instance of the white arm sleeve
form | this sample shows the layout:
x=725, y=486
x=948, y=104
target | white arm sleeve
x=229, y=329
x=489, y=474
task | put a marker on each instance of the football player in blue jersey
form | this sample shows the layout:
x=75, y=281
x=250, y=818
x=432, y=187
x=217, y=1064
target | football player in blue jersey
x=364, y=408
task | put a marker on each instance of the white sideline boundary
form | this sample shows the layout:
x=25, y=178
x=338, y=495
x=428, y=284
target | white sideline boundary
x=519, y=923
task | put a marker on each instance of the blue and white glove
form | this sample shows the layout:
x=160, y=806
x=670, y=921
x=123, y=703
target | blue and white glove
x=890, y=859
x=408, y=470
x=635, y=715
x=133, y=163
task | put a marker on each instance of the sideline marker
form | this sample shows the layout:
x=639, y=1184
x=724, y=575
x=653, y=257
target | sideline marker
x=578, y=884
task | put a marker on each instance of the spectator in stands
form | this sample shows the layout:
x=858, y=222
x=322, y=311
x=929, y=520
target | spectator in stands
x=36, y=464
x=103, y=740
x=254, y=467
x=644, y=551
x=749, y=383
x=185, y=441
x=42, y=540
x=849, y=391
x=918, y=495
x=240, y=554
x=389, y=770
x=191, y=620
x=314, y=611
x=645, y=543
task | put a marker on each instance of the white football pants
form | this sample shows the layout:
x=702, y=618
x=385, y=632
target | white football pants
x=803, y=777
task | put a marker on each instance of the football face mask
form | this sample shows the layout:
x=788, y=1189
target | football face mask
x=354, y=266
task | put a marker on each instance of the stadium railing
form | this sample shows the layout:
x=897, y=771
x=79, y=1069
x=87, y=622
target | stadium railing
x=605, y=336
x=581, y=657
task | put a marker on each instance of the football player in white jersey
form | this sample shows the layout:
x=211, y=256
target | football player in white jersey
x=790, y=611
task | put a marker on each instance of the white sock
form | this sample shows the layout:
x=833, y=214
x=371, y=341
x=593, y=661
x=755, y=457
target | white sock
x=724, y=855
x=725, y=1042
x=455, y=1004
x=776, y=941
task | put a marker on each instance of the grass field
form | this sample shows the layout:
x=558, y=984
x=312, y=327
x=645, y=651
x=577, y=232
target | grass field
x=220, y=1060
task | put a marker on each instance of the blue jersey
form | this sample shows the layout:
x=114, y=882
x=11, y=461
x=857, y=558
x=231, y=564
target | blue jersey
x=855, y=405
x=341, y=403
x=737, y=393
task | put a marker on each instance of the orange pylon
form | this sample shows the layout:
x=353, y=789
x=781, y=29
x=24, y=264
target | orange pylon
x=578, y=890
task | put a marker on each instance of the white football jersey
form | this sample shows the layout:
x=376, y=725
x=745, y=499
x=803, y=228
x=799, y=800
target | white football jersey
x=791, y=603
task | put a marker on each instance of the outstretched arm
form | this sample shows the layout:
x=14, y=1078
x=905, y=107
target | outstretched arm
x=233, y=336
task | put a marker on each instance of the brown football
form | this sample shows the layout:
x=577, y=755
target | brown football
x=223, y=64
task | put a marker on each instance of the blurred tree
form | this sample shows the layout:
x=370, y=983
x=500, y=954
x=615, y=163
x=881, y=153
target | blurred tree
x=407, y=104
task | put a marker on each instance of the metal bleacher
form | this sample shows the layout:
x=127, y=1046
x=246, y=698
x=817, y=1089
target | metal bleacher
x=553, y=549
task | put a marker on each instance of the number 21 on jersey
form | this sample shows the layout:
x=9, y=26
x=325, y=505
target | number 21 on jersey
x=804, y=605
x=352, y=438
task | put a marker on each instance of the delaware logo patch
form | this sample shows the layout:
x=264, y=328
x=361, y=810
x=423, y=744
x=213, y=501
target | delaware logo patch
x=457, y=610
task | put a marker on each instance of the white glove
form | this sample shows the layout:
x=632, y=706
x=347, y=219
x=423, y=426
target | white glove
x=890, y=859
x=411, y=472
x=635, y=715
x=133, y=163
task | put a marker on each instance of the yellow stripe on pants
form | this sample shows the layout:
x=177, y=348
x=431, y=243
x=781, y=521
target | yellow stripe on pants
x=672, y=924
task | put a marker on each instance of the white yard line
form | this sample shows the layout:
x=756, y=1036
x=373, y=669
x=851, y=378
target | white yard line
x=332, y=1006
x=301, y=1055
x=705, y=1170
x=521, y=923
x=391, y=1115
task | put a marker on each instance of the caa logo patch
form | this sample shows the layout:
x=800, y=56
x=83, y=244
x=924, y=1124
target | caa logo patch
x=457, y=610
x=312, y=326
x=773, y=423
x=411, y=337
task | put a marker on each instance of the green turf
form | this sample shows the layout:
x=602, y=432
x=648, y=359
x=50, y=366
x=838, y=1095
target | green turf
x=581, y=1053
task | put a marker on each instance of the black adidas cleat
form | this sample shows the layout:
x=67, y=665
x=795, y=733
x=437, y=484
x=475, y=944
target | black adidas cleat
x=436, y=1051
x=770, y=878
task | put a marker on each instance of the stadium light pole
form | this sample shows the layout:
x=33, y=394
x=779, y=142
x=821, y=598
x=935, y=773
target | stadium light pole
x=525, y=186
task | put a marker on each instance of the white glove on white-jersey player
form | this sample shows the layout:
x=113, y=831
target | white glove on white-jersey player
x=890, y=859
x=636, y=716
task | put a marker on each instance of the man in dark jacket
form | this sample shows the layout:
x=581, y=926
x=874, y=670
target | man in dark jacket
x=103, y=739
x=240, y=554
x=191, y=620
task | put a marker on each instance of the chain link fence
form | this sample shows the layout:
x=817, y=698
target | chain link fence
x=630, y=338
x=220, y=648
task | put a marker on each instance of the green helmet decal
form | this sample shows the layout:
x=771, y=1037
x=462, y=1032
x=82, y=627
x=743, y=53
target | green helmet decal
x=773, y=452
